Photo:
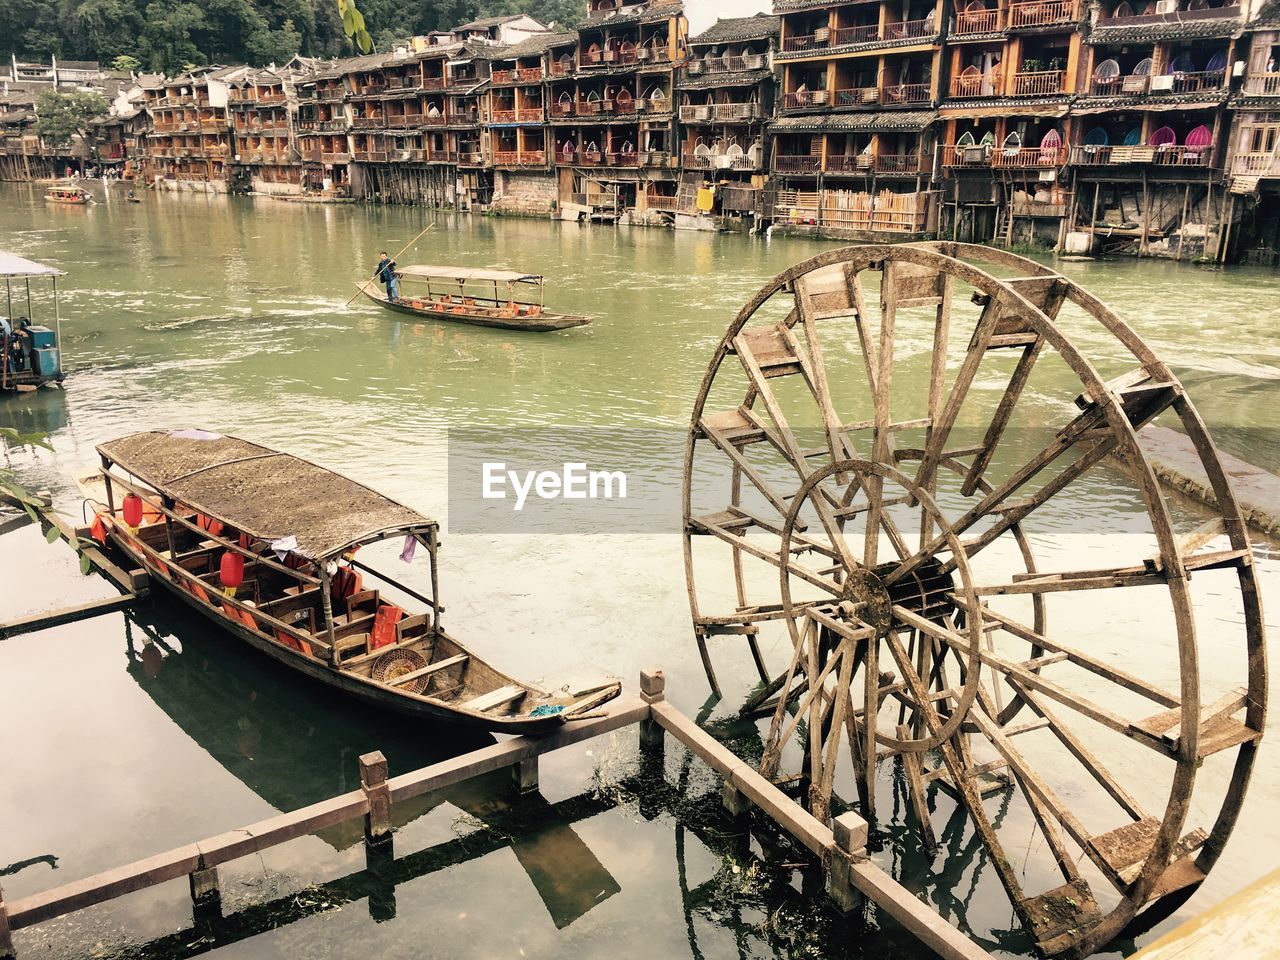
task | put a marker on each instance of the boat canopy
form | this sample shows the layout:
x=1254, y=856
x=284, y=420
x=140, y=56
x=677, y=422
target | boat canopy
x=259, y=491
x=461, y=274
x=14, y=267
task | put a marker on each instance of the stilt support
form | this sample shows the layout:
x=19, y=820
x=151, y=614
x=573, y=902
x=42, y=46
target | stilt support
x=850, y=833
x=734, y=801
x=373, y=781
x=653, y=686
x=524, y=775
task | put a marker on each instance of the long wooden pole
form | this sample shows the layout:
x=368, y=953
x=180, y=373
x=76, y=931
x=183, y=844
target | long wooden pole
x=396, y=257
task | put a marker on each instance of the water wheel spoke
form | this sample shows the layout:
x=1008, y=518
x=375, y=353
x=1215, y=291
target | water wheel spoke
x=709, y=525
x=726, y=446
x=1071, y=580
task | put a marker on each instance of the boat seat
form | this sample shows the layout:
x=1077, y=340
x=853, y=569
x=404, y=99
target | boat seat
x=346, y=626
x=429, y=669
x=493, y=699
x=362, y=602
x=411, y=627
x=356, y=644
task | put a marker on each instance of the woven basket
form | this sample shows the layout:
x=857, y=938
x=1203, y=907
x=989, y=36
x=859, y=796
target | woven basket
x=397, y=663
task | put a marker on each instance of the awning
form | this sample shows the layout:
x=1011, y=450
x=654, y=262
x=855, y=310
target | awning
x=14, y=267
x=888, y=121
x=262, y=492
x=1005, y=110
x=467, y=273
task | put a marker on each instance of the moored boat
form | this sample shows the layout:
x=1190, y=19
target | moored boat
x=507, y=299
x=263, y=544
x=65, y=194
x=29, y=351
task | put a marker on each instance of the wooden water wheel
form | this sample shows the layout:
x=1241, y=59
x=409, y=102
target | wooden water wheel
x=917, y=503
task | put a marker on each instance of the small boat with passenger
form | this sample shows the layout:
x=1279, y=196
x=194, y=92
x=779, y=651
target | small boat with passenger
x=264, y=544
x=29, y=350
x=62, y=193
x=508, y=299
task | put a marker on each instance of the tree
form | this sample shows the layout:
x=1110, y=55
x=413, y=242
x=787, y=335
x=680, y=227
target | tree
x=166, y=36
x=61, y=116
x=125, y=62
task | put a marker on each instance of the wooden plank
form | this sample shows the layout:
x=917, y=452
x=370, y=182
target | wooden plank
x=429, y=669
x=494, y=698
x=1243, y=925
x=53, y=618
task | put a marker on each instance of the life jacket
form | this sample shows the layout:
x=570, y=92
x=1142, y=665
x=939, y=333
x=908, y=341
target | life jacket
x=345, y=582
x=383, y=633
x=99, y=529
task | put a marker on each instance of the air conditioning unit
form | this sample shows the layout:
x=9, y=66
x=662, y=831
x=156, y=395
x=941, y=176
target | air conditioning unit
x=1166, y=6
x=1162, y=83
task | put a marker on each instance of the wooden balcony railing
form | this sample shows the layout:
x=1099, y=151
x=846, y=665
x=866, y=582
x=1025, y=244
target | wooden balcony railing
x=976, y=21
x=404, y=83
x=433, y=83
x=1039, y=13
x=735, y=111
x=438, y=119
x=901, y=163
x=622, y=159
x=1184, y=14
x=808, y=41
x=1029, y=156
x=442, y=156
x=867, y=33
x=562, y=108
x=404, y=121
x=797, y=164
x=848, y=163
x=530, y=114
x=1132, y=85
x=561, y=69
x=519, y=158
x=801, y=101
x=1263, y=84
x=906, y=93
x=1038, y=82
x=1192, y=82
x=311, y=154
x=529, y=74
x=369, y=156
x=910, y=29
x=504, y=116
x=1255, y=164
x=985, y=85
x=368, y=123
x=335, y=156
x=498, y=77
x=974, y=155
x=661, y=203
x=753, y=61
x=590, y=158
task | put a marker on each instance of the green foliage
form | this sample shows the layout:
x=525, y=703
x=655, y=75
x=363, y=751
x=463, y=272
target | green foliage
x=60, y=116
x=166, y=35
x=13, y=490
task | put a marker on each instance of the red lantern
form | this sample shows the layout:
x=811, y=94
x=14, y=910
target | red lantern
x=133, y=510
x=231, y=570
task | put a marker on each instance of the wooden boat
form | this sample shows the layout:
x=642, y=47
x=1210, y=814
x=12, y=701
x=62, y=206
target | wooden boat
x=262, y=543
x=29, y=351
x=74, y=195
x=486, y=298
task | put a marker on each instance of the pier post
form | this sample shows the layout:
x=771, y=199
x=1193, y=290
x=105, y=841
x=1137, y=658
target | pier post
x=524, y=775
x=373, y=781
x=850, y=833
x=653, y=686
x=206, y=896
x=6, y=937
x=735, y=802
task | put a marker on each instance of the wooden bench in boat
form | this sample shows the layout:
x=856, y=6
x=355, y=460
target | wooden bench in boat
x=429, y=669
x=493, y=699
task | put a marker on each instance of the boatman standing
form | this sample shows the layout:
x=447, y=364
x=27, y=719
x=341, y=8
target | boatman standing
x=385, y=272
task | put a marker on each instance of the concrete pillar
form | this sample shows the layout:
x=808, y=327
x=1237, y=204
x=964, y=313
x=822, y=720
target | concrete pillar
x=850, y=833
x=6, y=937
x=653, y=684
x=524, y=776
x=373, y=781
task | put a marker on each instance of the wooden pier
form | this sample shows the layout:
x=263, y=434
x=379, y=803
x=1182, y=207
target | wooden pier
x=840, y=848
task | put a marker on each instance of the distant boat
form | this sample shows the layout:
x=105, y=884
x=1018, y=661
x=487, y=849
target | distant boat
x=488, y=298
x=262, y=544
x=74, y=195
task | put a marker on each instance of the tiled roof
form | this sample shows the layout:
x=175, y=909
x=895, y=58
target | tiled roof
x=484, y=23
x=1165, y=30
x=1165, y=101
x=1268, y=16
x=760, y=26
x=644, y=14
x=712, y=81
x=91, y=66
x=904, y=121
x=535, y=46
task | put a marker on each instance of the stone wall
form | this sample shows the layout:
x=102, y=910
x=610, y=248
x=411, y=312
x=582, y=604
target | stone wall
x=526, y=193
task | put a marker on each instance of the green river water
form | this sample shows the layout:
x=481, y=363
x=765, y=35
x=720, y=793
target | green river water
x=129, y=734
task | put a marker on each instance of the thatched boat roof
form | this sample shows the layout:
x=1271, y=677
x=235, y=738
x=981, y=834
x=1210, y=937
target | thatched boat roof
x=262, y=492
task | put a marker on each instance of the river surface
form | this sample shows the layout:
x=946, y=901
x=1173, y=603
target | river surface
x=132, y=733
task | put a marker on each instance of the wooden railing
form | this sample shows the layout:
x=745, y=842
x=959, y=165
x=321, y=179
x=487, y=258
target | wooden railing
x=1191, y=82
x=906, y=93
x=404, y=83
x=504, y=116
x=808, y=41
x=433, y=83
x=856, y=96
x=848, y=163
x=903, y=163
x=335, y=156
x=370, y=156
x=405, y=120
x=976, y=21
x=803, y=163
x=974, y=155
x=735, y=111
x=986, y=85
x=1039, y=13
x=1255, y=164
x=753, y=61
x=1174, y=16
x=530, y=114
x=435, y=119
x=442, y=156
x=801, y=101
x=519, y=158
x=866, y=33
x=367, y=123
x=691, y=161
x=661, y=203
x=1038, y=82
x=1263, y=84
x=529, y=74
x=621, y=159
x=502, y=77
x=1029, y=156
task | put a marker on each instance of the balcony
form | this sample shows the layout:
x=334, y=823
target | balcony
x=804, y=101
x=519, y=158
x=1256, y=165
x=369, y=156
x=805, y=42
x=1199, y=81
x=433, y=83
x=906, y=93
x=311, y=154
x=842, y=36
x=754, y=61
x=395, y=84
x=1262, y=84
x=906, y=164
x=1164, y=156
x=530, y=115
x=797, y=164
x=504, y=116
x=335, y=156
x=972, y=155
x=563, y=108
x=368, y=123
x=1173, y=16
x=1039, y=83
x=970, y=22
x=404, y=121
x=849, y=163
x=442, y=156
x=437, y=119
x=502, y=77
x=1030, y=157
x=654, y=202
x=561, y=69
x=1040, y=13
x=529, y=74
x=370, y=90
x=976, y=85
x=622, y=159
x=857, y=96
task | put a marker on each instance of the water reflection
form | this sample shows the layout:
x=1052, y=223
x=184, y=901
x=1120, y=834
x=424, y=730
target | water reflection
x=294, y=745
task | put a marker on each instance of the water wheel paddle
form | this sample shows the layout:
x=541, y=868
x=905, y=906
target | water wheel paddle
x=883, y=536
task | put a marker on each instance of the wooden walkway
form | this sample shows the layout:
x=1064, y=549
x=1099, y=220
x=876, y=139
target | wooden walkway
x=840, y=847
x=1242, y=927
